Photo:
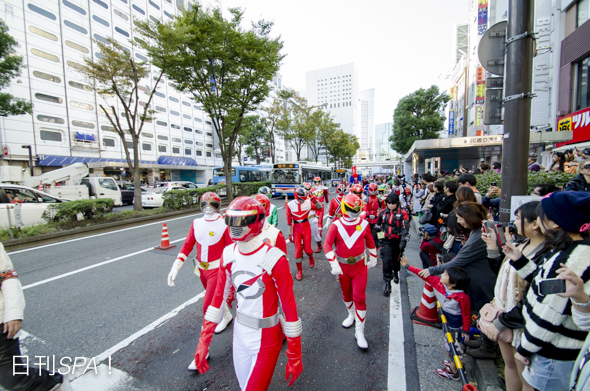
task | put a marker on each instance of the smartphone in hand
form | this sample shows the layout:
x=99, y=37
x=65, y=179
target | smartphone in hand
x=551, y=286
x=500, y=234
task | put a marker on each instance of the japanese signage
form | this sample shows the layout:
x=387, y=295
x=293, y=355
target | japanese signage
x=451, y=123
x=478, y=116
x=482, y=17
x=579, y=123
x=480, y=94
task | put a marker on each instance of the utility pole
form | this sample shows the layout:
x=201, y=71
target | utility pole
x=517, y=98
x=30, y=148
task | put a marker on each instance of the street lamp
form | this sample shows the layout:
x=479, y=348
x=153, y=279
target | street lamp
x=29, y=147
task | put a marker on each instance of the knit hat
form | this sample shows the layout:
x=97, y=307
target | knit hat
x=430, y=229
x=568, y=209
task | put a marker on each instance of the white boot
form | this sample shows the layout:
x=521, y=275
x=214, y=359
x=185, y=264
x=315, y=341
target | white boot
x=349, y=321
x=227, y=318
x=359, y=332
x=193, y=365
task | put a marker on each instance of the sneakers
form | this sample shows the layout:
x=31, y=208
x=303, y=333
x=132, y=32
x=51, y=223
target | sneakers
x=447, y=374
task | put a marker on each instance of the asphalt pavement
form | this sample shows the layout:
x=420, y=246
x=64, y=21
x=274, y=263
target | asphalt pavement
x=103, y=299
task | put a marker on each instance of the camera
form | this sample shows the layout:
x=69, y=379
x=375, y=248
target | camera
x=421, y=231
x=494, y=184
x=511, y=228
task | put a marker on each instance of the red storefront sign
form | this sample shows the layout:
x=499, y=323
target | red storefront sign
x=579, y=123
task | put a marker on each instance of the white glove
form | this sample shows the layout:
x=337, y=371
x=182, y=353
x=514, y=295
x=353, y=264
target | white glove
x=174, y=271
x=372, y=261
x=336, y=269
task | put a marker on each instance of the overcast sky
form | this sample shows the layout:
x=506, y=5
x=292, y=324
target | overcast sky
x=397, y=46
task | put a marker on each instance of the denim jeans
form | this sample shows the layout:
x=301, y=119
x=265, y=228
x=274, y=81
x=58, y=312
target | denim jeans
x=28, y=378
x=547, y=374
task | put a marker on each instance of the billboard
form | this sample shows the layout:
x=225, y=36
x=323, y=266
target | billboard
x=451, y=123
x=482, y=16
x=579, y=123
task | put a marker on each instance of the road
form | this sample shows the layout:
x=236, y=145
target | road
x=102, y=301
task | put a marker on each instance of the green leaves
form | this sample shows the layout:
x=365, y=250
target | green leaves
x=418, y=116
x=10, y=67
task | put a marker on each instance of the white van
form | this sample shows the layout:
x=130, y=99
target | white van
x=103, y=187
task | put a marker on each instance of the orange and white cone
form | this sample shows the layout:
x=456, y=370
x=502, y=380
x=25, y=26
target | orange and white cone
x=165, y=243
x=40, y=186
x=427, y=313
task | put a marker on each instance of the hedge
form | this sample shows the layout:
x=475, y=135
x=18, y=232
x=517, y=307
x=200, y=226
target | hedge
x=558, y=179
x=186, y=199
x=78, y=210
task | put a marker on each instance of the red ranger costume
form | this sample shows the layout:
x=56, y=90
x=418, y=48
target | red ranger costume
x=270, y=234
x=335, y=211
x=321, y=193
x=266, y=309
x=299, y=230
x=371, y=208
x=352, y=235
x=211, y=236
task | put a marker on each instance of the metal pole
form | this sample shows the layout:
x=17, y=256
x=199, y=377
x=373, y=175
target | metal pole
x=517, y=96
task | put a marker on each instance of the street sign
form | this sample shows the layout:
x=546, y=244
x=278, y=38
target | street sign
x=492, y=48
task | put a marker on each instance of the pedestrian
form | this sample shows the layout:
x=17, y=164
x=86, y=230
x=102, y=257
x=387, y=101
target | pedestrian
x=497, y=166
x=582, y=181
x=335, y=210
x=558, y=162
x=447, y=204
x=14, y=373
x=266, y=309
x=533, y=165
x=393, y=224
x=417, y=193
x=210, y=235
x=470, y=181
x=351, y=235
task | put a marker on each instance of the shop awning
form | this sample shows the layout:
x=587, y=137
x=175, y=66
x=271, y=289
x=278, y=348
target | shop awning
x=177, y=161
x=60, y=161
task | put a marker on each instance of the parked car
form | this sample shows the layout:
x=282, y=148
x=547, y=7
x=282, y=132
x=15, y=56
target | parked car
x=127, y=192
x=183, y=184
x=153, y=199
x=23, y=206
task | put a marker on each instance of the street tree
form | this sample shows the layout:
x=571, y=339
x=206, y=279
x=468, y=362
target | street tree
x=225, y=67
x=325, y=129
x=127, y=90
x=418, y=116
x=295, y=125
x=241, y=145
x=272, y=118
x=257, y=137
x=342, y=147
x=10, y=67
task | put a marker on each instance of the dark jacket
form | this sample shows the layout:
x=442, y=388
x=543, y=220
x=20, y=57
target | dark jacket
x=473, y=257
x=578, y=184
x=436, y=200
x=446, y=206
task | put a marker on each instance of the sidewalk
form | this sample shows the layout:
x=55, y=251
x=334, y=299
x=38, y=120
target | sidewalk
x=429, y=341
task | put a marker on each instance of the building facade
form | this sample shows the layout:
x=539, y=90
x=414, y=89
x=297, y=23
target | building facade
x=366, y=151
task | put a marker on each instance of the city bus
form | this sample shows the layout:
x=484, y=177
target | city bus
x=255, y=173
x=286, y=177
x=339, y=175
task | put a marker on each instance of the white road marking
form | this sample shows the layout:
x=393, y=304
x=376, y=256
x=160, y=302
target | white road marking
x=158, y=322
x=42, y=282
x=396, y=364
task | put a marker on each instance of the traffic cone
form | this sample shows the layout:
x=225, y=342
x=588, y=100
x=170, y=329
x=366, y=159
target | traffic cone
x=40, y=186
x=426, y=314
x=165, y=243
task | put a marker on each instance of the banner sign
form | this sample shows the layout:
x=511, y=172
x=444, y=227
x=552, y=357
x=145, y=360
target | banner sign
x=480, y=94
x=579, y=123
x=451, y=123
x=482, y=17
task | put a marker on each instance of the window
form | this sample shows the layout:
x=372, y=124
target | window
x=161, y=123
x=186, y=116
x=162, y=137
x=146, y=146
x=176, y=150
x=200, y=144
x=173, y=99
x=122, y=32
x=48, y=98
x=41, y=11
x=160, y=108
x=168, y=15
x=80, y=86
x=159, y=94
x=209, y=134
x=82, y=124
x=98, y=55
x=108, y=142
x=180, y=5
x=185, y=103
x=77, y=47
x=173, y=126
x=176, y=139
x=174, y=112
x=73, y=6
x=162, y=148
x=188, y=151
x=107, y=128
x=199, y=153
x=156, y=20
x=129, y=144
x=44, y=55
x=209, y=145
x=141, y=57
x=187, y=129
x=197, y=107
x=53, y=120
x=81, y=105
x=43, y=33
x=46, y=76
x=582, y=88
x=74, y=26
x=208, y=122
x=209, y=154
x=102, y=4
x=120, y=14
x=140, y=41
x=197, y=131
x=50, y=135
x=188, y=142
x=156, y=6
x=75, y=65
x=147, y=135
x=138, y=9
x=583, y=11
x=198, y=119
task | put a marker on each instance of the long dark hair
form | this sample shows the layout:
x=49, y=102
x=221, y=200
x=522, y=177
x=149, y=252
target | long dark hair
x=528, y=212
x=561, y=157
x=454, y=227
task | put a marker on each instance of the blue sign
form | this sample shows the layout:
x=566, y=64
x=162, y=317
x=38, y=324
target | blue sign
x=451, y=123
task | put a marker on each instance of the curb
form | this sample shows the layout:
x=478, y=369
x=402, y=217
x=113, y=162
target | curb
x=484, y=372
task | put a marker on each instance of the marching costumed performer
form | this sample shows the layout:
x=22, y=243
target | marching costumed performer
x=335, y=210
x=321, y=193
x=210, y=235
x=371, y=208
x=299, y=230
x=351, y=235
x=270, y=234
x=273, y=216
x=263, y=284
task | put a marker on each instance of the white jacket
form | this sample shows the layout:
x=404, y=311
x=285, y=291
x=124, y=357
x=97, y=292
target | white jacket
x=12, y=300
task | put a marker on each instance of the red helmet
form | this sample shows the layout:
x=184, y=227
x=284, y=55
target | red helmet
x=301, y=194
x=307, y=186
x=341, y=189
x=317, y=180
x=263, y=199
x=408, y=191
x=373, y=189
x=245, y=218
x=351, y=206
x=210, y=199
x=357, y=189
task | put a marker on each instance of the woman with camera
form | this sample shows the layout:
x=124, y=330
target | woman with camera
x=509, y=290
x=551, y=338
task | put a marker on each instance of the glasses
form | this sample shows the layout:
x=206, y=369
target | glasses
x=586, y=166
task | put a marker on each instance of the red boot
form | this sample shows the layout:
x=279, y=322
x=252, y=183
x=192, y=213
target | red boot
x=311, y=261
x=319, y=250
x=299, y=274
